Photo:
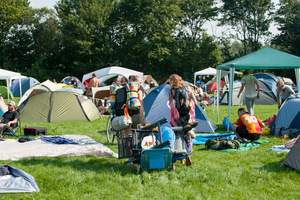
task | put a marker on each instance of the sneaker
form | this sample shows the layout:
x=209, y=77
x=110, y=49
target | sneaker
x=189, y=127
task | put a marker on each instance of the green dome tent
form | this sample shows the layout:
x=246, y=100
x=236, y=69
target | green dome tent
x=3, y=92
x=58, y=107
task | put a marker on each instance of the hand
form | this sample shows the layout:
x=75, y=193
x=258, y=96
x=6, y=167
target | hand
x=238, y=96
x=257, y=96
x=8, y=124
x=143, y=122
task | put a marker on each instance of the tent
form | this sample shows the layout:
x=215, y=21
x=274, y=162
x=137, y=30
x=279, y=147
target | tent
x=99, y=93
x=110, y=72
x=67, y=80
x=26, y=83
x=9, y=76
x=156, y=108
x=288, y=116
x=293, y=159
x=58, y=107
x=5, y=93
x=45, y=86
x=266, y=58
x=213, y=86
x=3, y=107
x=267, y=84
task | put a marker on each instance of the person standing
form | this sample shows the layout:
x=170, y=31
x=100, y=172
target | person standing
x=285, y=90
x=10, y=118
x=251, y=93
x=94, y=82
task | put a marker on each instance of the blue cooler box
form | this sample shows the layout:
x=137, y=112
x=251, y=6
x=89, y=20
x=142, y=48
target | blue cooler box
x=160, y=158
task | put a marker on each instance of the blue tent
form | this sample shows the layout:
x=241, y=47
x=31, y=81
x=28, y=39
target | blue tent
x=26, y=83
x=288, y=115
x=156, y=108
x=67, y=80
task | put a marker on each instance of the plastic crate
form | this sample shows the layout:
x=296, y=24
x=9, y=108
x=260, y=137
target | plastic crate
x=156, y=158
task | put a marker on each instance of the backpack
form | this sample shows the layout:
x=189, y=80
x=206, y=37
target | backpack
x=222, y=143
x=182, y=103
x=121, y=101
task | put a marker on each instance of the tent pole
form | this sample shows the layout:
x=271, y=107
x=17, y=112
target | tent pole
x=20, y=85
x=231, y=76
x=297, y=73
x=218, y=92
x=7, y=87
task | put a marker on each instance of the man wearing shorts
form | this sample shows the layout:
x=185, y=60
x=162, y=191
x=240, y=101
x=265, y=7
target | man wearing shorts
x=249, y=126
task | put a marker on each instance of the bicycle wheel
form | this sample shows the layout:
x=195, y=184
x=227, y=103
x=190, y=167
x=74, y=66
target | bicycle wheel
x=110, y=133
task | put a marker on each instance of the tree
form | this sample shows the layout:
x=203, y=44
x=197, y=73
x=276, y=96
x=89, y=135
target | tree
x=250, y=19
x=288, y=19
x=80, y=24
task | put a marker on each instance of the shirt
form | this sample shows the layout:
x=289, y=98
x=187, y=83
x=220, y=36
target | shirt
x=10, y=116
x=286, y=93
x=250, y=122
x=250, y=89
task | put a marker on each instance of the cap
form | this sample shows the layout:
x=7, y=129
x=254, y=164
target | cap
x=12, y=103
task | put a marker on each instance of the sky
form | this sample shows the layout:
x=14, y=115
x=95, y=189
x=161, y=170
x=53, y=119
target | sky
x=211, y=27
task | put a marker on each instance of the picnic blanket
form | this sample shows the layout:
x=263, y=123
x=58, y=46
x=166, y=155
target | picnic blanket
x=11, y=149
x=244, y=146
x=202, y=138
x=13, y=180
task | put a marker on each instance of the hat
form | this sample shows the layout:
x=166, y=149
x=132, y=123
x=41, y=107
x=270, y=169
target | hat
x=12, y=103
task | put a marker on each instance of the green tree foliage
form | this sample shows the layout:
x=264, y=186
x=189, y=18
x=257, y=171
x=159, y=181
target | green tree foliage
x=80, y=23
x=250, y=19
x=288, y=19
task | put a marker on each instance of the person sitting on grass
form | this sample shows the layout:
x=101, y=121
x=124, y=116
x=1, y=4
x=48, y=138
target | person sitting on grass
x=249, y=126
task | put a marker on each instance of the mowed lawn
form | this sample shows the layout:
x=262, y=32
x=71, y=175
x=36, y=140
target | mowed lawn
x=253, y=174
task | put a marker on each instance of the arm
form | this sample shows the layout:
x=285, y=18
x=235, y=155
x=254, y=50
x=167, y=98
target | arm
x=141, y=109
x=277, y=96
x=257, y=86
x=241, y=90
x=192, y=96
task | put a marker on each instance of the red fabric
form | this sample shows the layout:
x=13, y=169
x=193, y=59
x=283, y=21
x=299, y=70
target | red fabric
x=213, y=87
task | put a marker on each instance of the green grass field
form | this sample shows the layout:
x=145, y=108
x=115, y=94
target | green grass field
x=253, y=174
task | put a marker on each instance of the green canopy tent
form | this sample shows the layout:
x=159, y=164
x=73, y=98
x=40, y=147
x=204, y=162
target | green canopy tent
x=266, y=58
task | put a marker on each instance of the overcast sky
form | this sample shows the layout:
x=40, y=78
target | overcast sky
x=212, y=28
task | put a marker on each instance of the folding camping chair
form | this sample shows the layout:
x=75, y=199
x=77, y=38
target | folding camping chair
x=12, y=132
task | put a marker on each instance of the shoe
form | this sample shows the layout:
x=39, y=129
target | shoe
x=188, y=161
x=191, y=133
x=189, y=127
x=286, y=136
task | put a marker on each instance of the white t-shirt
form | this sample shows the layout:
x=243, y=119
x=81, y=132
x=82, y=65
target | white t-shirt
x=250, y=88
x=286, y=93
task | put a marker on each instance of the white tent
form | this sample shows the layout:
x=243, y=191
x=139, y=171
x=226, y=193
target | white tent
x=212, y=71
x=9, y=76
x=110, y=72
x=46, y=86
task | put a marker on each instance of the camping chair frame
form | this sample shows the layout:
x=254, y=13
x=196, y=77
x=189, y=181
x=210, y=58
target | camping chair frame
x=12, y=132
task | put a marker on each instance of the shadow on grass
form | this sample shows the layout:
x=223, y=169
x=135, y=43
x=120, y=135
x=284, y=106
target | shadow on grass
x=275, y=167
x=82, y=164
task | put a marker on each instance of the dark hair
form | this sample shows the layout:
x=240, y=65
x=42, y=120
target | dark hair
x=243, y=109
x=246, y=72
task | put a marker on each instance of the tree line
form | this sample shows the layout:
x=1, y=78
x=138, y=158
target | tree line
x=156, y=37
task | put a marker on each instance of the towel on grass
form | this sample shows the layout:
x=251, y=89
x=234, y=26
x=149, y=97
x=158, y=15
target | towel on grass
x=279, y=149
x=202, y=138
x=244, y=146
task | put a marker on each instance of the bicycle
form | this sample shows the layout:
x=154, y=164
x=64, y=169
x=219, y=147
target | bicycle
x=111, y=134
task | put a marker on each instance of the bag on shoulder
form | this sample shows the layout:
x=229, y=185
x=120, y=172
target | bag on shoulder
x=120, y=101
x=222, y=143
x=182, y=103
